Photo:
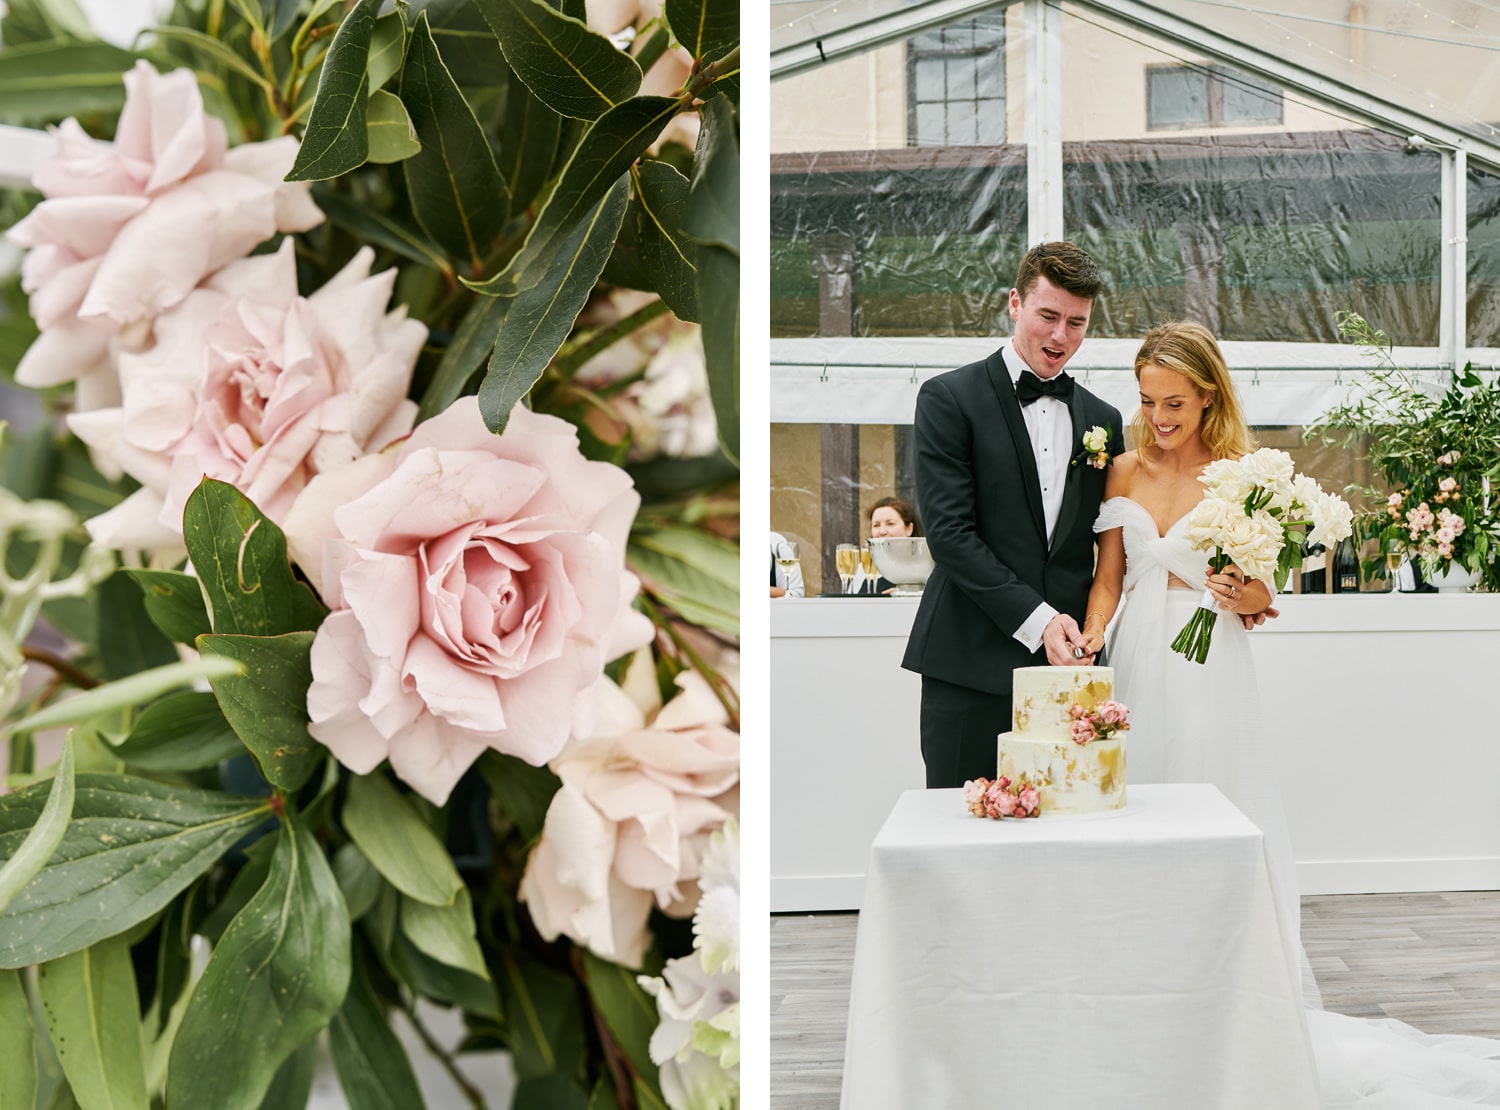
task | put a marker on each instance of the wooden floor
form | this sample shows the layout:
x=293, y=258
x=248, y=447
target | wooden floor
x=1432, y=960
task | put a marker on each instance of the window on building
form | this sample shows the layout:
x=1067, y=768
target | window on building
x=1208, y=96
x=955, y=84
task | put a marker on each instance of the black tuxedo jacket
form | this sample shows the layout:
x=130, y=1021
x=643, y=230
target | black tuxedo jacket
x=981, y=505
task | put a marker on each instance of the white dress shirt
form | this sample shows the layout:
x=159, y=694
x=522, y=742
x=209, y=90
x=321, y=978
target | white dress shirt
x=1049, y=424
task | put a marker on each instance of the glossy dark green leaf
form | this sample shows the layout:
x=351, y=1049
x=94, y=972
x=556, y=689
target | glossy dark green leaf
x=277, y=976
x=556, y=1092
x=392, y=137
x=668, y=253
x=90, y=1001
x=379, y=229
x=174, y=959
x=181, y=732
x=336, y=140
x=464, y=40
x=471, y=346
x=387, y=48
x=241, y=559
x=692, y=572
x=441, y=983
x=445, y=933
x=131, y=641
x=704, y=27
x=404, y=849
x=628, y=1010
x=604, y=154
x=457, y=194
x=41, y=82
x=522, y=792
x=279, y=15
x=529, y=150
x=267, y=705
x=292, y=1086
x=132, y=846
x=719, y=296
x=174, y=602
x=541, y=316
x=371, y=1062
x=17, y=1034
x=544, y=1018
x=714, y=196
x=575, y=71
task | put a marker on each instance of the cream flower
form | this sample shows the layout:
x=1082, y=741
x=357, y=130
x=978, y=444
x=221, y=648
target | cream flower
x=697, y=1043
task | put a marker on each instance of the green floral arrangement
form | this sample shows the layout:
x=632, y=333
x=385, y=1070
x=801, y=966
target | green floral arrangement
x=369, y=604
x=1438, y=454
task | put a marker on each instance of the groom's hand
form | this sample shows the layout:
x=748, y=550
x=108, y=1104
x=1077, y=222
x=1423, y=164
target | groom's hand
x=1254, y=620
x=1058, y=637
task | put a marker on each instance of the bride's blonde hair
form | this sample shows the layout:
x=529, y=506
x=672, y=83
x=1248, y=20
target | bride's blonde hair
x=1191, y=350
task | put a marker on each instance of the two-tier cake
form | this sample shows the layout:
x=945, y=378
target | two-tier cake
x=1041, y=750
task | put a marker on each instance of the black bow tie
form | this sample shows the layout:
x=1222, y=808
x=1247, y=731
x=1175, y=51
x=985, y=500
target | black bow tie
x=1030, y=387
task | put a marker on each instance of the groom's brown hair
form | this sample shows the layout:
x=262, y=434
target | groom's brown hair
x=1066, y=266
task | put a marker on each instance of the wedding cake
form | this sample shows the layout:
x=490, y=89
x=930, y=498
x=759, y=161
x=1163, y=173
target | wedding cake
x=1043, y=751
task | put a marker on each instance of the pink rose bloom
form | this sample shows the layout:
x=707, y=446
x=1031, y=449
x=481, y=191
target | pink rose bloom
x=1444, y=535
x=1004, y=803
x=1395, y=499
x=127, y=230
x=1448, y=485
x=1029, y=798
x=631, y=824
x=974, y=791
x=1075, y=711
x=251, y=384
x=478, y=587
x=1083, y=732
x=1113, y=713
x=1445, y=550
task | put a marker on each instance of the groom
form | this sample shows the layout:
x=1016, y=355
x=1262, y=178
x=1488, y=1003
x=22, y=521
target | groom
x=1008, y=496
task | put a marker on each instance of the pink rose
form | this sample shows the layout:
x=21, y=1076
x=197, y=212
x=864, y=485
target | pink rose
x=1004, y=803
x=1076, y=711
x=1113, y=713
x=128, y=230
x=974, y=791
x=478, y=584
x=1448, y=485
x=1083, y=732
x=256, y=386
x=1396, y=499
x=1029, y=799
x=631, y=824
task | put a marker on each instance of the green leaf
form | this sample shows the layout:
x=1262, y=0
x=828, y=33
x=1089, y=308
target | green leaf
x=132, y=846
x=719, y=296
x=704, y=27
x=606, y=151
x=573, y=70
x=668, y=253
x=174, y=602
x=336, y=141
x=371, y=1062
x=92, y=1014
x=252, y=11
x=692, y=572
x=277, y=976
x=457, y=194
x=17, y=1036
x=240, y=557
x=357, y=878
x=379, y=229
x=27, y=861
x=714, y=210
x=387, y=47
x=541, y=316
x=464, y=40
x=209, y=48
x=401, y=845
x=267, y=704
x=446, y=933
x=392, y=137
x=280, y=15
x=123, y=693
x=131, y=642
x=628, y=1010
x=44, y=20
x=544, y=1018
x=471, y=345
x=529, y=153
x=522, y=792
x=554, y=1091
x=181, y=732
x=43, y=82
x=292, y=1086
x=442, y=983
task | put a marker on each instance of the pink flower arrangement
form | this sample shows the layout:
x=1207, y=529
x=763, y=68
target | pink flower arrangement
x=998, y=798
x=1099, y=723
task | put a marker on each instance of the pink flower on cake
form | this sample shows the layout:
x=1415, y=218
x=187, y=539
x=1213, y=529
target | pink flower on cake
x=478, y=587
x=633, y=819
x=1099, y=723
x=1083, y=732
x=1001, y=798
x=129, y=230
x=253, y=385
x=1029, y=799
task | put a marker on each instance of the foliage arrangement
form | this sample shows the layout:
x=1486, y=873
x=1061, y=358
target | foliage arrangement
x=376, y=552
x=1438, y=454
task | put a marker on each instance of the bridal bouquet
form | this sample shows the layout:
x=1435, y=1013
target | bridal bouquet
x=1257, y=514
x=368, y=606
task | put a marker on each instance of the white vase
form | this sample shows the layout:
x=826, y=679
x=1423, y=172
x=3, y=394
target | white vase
x=1455, y=579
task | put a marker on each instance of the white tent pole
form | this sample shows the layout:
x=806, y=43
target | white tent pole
x=1044, y=93
x=1458, y=276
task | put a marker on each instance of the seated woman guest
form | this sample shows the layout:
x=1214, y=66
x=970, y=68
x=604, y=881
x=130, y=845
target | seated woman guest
x=890, y=516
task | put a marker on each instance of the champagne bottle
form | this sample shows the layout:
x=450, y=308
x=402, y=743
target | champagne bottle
x=1346, y=568
x=1314, y=569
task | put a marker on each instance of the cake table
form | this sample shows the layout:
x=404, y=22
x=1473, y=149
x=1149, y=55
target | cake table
x=1128, y=960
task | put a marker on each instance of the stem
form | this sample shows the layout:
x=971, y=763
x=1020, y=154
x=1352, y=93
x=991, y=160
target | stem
x=61, y=666
x=614, y=1055
x=605, y=338
x=727, y=66
x=471, y=1092
x=656, y=45
x=720, y=686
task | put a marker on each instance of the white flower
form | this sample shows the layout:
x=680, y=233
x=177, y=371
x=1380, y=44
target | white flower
x=1332, y=519
x=1095, y=439
x=716, y=921
x=1254, y=543
x=697, y=1044
x=1228, y=480
x=1209, y=520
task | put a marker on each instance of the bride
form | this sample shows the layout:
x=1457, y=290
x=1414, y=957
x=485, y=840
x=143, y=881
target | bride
x=1194, y=722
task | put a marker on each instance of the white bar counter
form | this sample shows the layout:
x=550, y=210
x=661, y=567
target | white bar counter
x=1382, y=729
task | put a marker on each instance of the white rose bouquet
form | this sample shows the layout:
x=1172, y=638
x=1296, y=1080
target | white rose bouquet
x=1257, y=515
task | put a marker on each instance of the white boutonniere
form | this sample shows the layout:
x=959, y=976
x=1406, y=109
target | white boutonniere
x=1095, y=448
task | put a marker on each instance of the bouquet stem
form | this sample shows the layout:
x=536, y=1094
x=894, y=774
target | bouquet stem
x=1197, y=635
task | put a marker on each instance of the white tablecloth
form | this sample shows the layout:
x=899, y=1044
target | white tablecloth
x=1131, y=960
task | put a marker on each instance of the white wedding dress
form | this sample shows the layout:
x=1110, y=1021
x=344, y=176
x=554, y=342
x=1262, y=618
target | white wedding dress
x=1192, y=722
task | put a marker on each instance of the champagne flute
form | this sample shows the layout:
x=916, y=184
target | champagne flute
x=787, y=558
x=867, y=561
x=1395, y=555
x=846, y=561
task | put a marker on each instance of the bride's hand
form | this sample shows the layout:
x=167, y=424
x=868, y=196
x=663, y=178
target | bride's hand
x=1228, y=587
